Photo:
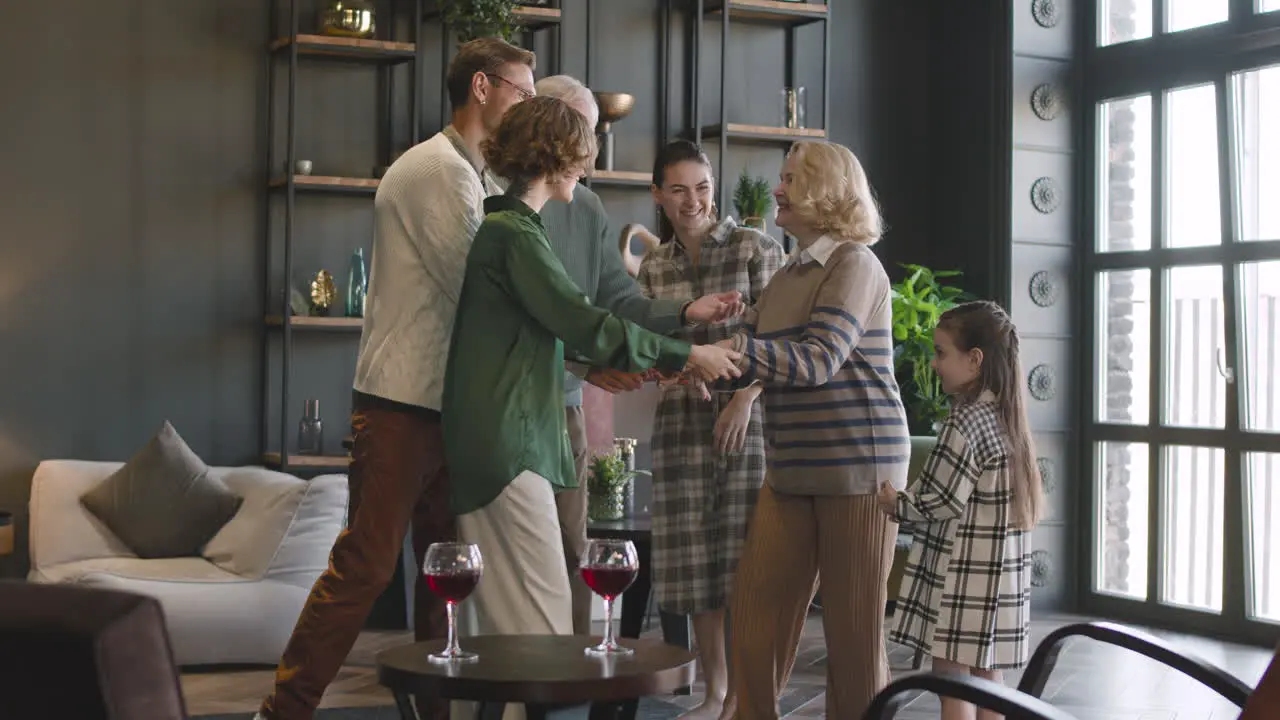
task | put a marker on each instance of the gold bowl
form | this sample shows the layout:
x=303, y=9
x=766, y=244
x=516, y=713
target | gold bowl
x=613, y=107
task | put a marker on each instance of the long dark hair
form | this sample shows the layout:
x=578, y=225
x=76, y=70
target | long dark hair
x=985, y=325
x=677, y=151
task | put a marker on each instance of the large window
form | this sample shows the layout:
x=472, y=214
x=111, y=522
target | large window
x=1183, y=262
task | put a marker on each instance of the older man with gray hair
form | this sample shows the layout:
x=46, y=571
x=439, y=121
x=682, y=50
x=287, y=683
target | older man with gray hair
x=580, y=235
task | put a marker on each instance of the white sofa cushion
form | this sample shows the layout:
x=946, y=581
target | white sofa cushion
x=189, y=570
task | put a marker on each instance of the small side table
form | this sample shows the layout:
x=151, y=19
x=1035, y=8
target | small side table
x=543, y=672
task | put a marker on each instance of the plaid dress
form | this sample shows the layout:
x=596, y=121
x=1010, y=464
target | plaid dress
x=966, y=594
x=702, y=498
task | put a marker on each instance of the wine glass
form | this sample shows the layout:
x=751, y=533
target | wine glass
x=609, y=567
x=453, y=570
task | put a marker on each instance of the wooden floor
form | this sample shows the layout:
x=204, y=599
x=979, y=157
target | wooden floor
x=1091, y=681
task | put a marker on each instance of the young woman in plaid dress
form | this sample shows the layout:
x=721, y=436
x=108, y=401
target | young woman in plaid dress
x=967, y=596
x=708, y=455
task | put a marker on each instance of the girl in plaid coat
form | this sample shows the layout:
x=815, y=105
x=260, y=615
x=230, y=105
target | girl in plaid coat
x=967, y=589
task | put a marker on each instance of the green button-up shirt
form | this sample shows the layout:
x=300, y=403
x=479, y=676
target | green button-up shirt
x=504, y=383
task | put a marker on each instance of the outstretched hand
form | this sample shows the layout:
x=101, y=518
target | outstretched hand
x=615, y=381
x=715, y=307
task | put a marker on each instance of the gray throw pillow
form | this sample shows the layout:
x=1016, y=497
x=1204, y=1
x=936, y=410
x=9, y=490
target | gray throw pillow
x=163, y=502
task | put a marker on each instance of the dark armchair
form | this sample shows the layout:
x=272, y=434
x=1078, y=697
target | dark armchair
x=1024, y=703
x=88, y=654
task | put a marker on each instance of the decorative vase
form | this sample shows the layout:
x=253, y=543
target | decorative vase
x=759, y=223
x=311, y=430
x=613, y=107
x=348, y=18
x=793, y=108
x=357, y=285
x=609, y=505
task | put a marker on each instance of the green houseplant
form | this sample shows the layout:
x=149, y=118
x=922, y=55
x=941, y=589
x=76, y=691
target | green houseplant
x=471, y=19
x=918, y=302
x=752, y=200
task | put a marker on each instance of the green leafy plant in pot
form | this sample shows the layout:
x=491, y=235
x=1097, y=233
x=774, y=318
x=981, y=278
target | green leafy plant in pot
x=918, y=303
x=607, y=481
x=752, y=199
x=471, y=19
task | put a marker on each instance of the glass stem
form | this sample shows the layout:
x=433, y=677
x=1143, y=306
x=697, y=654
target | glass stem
x=451, y=611
x=609, y=640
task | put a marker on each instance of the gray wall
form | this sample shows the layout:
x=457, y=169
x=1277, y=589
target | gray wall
x=131, y=201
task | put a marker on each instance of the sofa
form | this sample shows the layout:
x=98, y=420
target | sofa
x=236, y=602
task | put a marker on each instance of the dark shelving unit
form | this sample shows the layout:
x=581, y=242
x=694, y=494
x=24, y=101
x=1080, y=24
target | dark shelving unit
x=533, y=19
x=778, y=13
x=290, y=46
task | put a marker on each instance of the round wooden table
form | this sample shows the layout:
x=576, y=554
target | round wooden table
x=541, y=671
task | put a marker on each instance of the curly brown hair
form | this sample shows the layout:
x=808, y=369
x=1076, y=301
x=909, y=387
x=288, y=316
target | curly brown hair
x=538, y=137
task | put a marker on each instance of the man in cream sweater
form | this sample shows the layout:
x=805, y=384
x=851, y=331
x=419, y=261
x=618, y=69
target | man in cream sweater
x=426, y=212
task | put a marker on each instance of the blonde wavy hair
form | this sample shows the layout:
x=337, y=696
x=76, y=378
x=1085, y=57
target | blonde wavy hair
x=830, y=192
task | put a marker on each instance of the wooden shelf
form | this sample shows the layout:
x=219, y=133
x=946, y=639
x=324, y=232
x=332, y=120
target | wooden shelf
x=328, y=462
x=328, y=183
x=313, y=322
x=764, y=133
x=530, y=17
x=628, y=178
x=537, y=17
x=775, y=12
x=345, y=48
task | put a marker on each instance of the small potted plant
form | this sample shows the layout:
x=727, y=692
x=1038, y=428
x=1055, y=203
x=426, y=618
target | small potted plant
x=752, y=199
x=607, y=483
x=471, y=19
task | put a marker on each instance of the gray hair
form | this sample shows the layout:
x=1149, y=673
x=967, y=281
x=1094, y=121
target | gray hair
x=567, y=89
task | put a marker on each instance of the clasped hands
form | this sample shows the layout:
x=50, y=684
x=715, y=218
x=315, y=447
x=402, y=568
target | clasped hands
x=707, y=363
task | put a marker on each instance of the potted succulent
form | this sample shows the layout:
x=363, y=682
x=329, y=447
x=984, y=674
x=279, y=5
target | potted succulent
x=471, y=19
x=752, y=199
x=918, y=302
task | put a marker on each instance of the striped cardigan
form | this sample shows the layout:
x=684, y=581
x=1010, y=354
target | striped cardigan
x=819, y=340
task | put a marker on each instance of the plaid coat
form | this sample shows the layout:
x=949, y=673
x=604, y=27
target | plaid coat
x=966, y=594
x=702, y=499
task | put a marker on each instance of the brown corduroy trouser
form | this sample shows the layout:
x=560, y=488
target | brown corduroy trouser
x=398, y=480
x=793, y=541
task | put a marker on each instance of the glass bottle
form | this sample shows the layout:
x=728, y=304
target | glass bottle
x=793, y=108
x=311, y=430
x=357, y=284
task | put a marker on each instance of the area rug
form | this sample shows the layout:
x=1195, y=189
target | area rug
x=649, y=709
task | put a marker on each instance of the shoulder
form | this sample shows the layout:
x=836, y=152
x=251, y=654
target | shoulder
x=434, y=161
x=979, y=426
x=857, y=261
x=754, y=242
x=585, y=200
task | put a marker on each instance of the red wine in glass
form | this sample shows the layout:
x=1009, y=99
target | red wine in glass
x=609, y=582
x=453, y=587
x=453, y=570
x=609, y=567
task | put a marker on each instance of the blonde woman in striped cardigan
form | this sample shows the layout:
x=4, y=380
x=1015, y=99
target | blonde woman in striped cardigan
x=819, y=341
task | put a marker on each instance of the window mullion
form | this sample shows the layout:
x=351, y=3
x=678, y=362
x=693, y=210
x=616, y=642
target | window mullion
x=1159, y=303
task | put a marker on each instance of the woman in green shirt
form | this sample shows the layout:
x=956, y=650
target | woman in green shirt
x=518, y=315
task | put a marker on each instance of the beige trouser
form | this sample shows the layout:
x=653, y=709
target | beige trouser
x=793, y=541
x=572, y=506
x=525, y=587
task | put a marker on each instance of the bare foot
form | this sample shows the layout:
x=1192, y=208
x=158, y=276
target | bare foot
x=710, y=709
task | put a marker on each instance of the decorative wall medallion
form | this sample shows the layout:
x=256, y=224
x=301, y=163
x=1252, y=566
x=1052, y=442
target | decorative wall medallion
x=1046, y=101
x=1043, y=289
x=1041, y=568
x=1042, y=382
x=1047, y=480
x=1045, y=195
x=1045, y=12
